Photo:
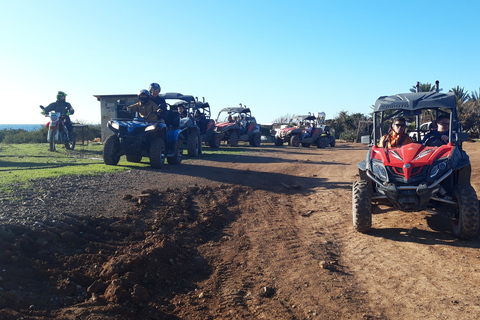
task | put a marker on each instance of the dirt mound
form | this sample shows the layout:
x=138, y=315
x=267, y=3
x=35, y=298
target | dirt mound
x=120, y=266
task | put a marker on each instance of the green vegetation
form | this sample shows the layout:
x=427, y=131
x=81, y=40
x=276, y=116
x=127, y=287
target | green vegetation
x=21, y=164
x=10, y=136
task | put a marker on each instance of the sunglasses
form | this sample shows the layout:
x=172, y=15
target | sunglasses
x=400, y=124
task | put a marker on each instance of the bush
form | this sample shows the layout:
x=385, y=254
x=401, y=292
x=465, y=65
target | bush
x=13, y=136
x=348, y=135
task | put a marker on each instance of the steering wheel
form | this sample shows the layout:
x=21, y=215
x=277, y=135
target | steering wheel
x=434, y=141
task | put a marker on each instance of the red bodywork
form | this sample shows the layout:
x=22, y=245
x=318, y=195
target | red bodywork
x=410, y=159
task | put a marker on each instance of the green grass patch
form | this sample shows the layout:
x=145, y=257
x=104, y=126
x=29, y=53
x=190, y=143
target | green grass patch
x=21, y=164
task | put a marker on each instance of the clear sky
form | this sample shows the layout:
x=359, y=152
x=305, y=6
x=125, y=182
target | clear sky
x=276, y=57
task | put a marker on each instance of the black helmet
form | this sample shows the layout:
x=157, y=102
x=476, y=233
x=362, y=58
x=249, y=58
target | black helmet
x=154, y=85
x=146, y=95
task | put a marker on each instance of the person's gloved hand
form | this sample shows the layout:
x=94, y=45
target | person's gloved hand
x=68, y=113
x=43, y=112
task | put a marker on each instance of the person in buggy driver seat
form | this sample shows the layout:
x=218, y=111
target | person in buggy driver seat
x=396, y=137
x=145, y=107
x=64, y=108
x=438, y=136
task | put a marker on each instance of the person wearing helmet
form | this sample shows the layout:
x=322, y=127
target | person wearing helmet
x=145, y=107
x=160, y=101
x=64, y=108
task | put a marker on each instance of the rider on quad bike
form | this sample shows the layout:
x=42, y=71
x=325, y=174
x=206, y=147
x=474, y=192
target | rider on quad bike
x=412, y=176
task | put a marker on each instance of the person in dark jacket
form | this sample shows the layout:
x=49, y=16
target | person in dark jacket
x=161, y=103
x=64, y=108
x=439, y=135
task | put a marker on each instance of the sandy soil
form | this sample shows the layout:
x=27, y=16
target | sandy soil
x=264, y=235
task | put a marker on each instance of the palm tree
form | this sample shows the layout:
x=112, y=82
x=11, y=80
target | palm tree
x=474, y=96
x=460, y=94
x=424, y=87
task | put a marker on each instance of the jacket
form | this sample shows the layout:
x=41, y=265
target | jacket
x=149, y=109
x=394, y=140
x=62, y=107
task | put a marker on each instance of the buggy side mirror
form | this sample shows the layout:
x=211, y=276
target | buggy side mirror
x=461, y=136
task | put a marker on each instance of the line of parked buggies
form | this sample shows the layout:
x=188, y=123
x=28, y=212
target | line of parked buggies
x=135, y=137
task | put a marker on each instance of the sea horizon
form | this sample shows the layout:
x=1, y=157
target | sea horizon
x=27, y=127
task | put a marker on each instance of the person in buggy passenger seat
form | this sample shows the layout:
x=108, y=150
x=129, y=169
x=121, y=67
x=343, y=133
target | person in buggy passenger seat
x=397, y=136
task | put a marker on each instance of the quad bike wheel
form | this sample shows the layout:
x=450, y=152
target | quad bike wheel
x=362, y=206
x=111, y=150
x=134, y=158
x=192, y=144
x=157, y=153
x=295, y=141
x=233, y=139
x=278, y=142
x=466, y=220
x=215, y=141
x=256, y=140
x=178, y=154
x=322, y=142
x=332, y=142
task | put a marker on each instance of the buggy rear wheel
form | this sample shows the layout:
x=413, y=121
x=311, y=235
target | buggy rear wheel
x=362, y=205
x=215, y=140
x=466, y=221
x=256, y=140
x=193, y=145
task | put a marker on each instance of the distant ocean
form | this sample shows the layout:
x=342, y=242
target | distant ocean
x=27, y=127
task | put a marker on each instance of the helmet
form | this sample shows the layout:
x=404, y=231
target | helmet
x=154, y=85
x=146, y=95
x=61, y=94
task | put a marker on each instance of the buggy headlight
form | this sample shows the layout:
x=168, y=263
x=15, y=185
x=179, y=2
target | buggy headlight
x=150, y=128
x=115, y=125
x=439, y=168
x=379, y=170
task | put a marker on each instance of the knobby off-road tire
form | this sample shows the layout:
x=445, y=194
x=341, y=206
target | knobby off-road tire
x=110, y=150
x=192, y=144
x=278, y=142
x=295, y=141
x=466, y=221
x=51, y=142
x=233, y=139
x=178, y=153
x=157, y=153
x=322, y=142
x=70, y=145
x=362, y=206
x=256, y=140
x=134, y=158
x=200, y=144
x=215, y=141
x=332, y=142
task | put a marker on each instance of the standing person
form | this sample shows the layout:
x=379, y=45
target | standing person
x=146, y=108
x=64, y=108
x=162, y=104
x=439, y=135
x=397, y=136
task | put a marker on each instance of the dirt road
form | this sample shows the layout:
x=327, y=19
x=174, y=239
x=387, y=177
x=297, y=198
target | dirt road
x=263, y=235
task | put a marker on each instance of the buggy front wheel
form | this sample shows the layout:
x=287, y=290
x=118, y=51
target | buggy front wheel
x=362, y=205
x=466, y=220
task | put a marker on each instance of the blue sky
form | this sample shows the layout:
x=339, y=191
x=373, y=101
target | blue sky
x=276, y=57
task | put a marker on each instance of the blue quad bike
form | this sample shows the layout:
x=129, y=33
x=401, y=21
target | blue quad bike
x=137, y=138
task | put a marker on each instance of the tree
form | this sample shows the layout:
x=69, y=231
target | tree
x=424, y=87
x=460, y=94
x=283, y=119
x=474, y=96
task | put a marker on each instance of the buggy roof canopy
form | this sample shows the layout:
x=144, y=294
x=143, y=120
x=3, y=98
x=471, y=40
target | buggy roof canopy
x=178, y=96
x=235, y=109
x=416, y=101
x=304, y=117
